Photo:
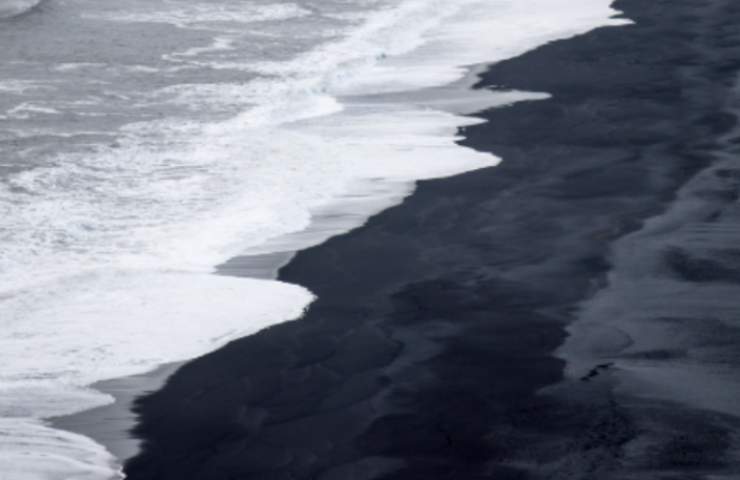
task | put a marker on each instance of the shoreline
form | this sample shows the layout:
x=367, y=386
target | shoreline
x=435, y=348
x=144, y=267
x=111, y=425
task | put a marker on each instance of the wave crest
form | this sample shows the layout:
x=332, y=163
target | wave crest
x=14, y=8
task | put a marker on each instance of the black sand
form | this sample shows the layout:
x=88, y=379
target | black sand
x=438, y=323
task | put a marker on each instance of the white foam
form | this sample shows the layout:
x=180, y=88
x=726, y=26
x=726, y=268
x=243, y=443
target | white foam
x=20, y=87
x=27, y=110
x=468, y=36
x=107, y=254
x=219, y=43
x=12, y=8
x=85, y=331
x=186, y=14
x=56, y=341
x=425, y=43
x=48, y=454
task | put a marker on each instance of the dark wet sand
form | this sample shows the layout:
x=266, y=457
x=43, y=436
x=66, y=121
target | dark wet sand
x=435, y=350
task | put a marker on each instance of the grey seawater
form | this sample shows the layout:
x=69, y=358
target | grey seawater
x=73, y=72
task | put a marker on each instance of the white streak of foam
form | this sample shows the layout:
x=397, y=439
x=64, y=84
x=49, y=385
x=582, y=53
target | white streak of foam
x=27, y=110
x=20, y=87
x=186, y=14
x=12, y=8
x=46, y=454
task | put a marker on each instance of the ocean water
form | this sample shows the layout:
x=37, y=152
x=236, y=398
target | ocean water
x=145, y=142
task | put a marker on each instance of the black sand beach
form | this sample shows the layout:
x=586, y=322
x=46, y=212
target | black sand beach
x=436, y=348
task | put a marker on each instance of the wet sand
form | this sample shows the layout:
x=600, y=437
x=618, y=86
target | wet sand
x=438, y=347
x=110, y=425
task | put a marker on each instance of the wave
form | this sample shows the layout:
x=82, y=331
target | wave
x=16, y=8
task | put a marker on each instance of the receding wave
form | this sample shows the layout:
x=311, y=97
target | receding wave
x=14, y=8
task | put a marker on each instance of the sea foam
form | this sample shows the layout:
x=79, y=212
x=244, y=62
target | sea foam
x=13, y=8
